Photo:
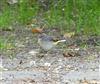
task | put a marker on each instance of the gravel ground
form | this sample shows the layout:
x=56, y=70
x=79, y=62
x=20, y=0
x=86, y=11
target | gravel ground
x=25, y=64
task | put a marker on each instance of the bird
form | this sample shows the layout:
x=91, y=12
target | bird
x=47, y=42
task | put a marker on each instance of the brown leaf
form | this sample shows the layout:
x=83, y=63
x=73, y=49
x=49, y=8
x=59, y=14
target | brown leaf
x=37, y=30
x=68, y=54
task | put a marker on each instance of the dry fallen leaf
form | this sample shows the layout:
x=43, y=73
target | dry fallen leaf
x=69, y=35
x=85, y=81
x=37, y=30
x=71, y=54
x=68, y=54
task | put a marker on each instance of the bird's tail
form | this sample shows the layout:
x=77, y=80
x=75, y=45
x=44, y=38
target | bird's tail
x=59, y=41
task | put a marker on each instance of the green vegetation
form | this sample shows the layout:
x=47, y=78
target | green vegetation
x=75, y=15
x=81, y=16
x=7, y=46
x=21, y=12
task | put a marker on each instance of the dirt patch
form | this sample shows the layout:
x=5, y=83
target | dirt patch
x=29, y=66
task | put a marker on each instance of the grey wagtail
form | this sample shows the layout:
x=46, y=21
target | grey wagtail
x=47, y=42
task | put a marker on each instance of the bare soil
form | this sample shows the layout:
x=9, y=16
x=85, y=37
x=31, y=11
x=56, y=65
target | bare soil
x=25, y=64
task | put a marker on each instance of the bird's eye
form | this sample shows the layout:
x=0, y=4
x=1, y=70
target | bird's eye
x=55, y=40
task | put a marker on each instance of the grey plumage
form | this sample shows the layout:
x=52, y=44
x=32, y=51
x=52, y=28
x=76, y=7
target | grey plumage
x=47, y=42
